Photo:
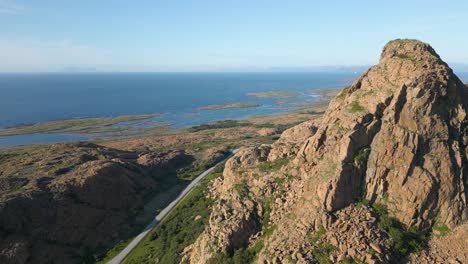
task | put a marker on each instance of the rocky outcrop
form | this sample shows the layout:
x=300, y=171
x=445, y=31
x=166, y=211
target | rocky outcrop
x=289, y=143
x=396, y=137
x=64, y=202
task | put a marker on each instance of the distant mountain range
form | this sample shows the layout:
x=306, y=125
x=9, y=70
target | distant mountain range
x=457, y=67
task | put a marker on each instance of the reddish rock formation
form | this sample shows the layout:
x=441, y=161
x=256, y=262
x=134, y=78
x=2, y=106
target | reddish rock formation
x=396, y=137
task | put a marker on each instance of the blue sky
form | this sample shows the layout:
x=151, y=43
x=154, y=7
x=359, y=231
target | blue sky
x=219, y=35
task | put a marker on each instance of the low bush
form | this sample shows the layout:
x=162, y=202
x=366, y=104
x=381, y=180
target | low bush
x=403, y=241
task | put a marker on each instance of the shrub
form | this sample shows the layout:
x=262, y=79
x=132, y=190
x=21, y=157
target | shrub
x=362, y=154
x=403, y=242
x=439, y=229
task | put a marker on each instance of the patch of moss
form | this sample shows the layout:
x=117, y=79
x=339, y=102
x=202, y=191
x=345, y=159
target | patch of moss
x=361, y=156
x=355, y=107
x=273, y=165
x=439, y=229
x=405, y=56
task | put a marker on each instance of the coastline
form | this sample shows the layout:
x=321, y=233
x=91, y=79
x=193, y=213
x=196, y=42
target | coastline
x=135, y=126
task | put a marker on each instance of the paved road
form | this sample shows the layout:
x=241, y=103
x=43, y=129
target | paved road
x=121, y=256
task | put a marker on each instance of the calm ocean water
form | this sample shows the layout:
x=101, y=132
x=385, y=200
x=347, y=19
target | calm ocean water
x=32, y=98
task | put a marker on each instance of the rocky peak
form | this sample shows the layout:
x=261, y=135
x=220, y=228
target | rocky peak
x=397, y=138
x=405, y=48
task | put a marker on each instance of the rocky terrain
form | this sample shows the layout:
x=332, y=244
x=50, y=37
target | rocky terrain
x=63, y=200
x=75, y=202
x=61, y=203
x=380, y=178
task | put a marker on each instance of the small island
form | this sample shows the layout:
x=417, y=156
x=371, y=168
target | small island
x=274, y=94
x=229, y=105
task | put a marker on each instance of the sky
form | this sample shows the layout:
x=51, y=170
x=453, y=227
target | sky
x=219, y=35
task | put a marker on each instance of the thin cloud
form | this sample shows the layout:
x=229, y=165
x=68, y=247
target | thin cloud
x=10, y=7
x=48, y=55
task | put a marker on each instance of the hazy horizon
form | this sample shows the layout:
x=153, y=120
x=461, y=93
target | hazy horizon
x=212, y=36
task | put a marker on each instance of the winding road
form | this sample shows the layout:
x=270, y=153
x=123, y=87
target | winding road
x=121, y=256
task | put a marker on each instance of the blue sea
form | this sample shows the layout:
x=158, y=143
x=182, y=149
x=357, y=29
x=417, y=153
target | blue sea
x=33, y=98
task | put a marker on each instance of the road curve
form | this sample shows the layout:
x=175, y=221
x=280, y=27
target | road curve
x=121, y=256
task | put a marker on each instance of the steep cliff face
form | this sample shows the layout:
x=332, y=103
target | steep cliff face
x=396, y=138
x=408, y=116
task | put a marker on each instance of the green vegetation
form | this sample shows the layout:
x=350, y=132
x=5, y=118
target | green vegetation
x=312, y=112
x=273, y=165
x=220, y=124
x=169, y=188
x=197, y=167
x=362, y=202
x=342, y=95
x=403, y=41
x=322, y=252
x=362, y=155
x=320, y=232
x=240, y=256
x=179, y=229
x=229, y=105
x=405, y=57
x=349, y=260
x=242, y=188
x=340, y=128
x=403, y=242
x=77, y=125
x=439, y=229
x=236, y=123
x=355, y=107
x=326, y=93
x=274, y=94
x=279, y=127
